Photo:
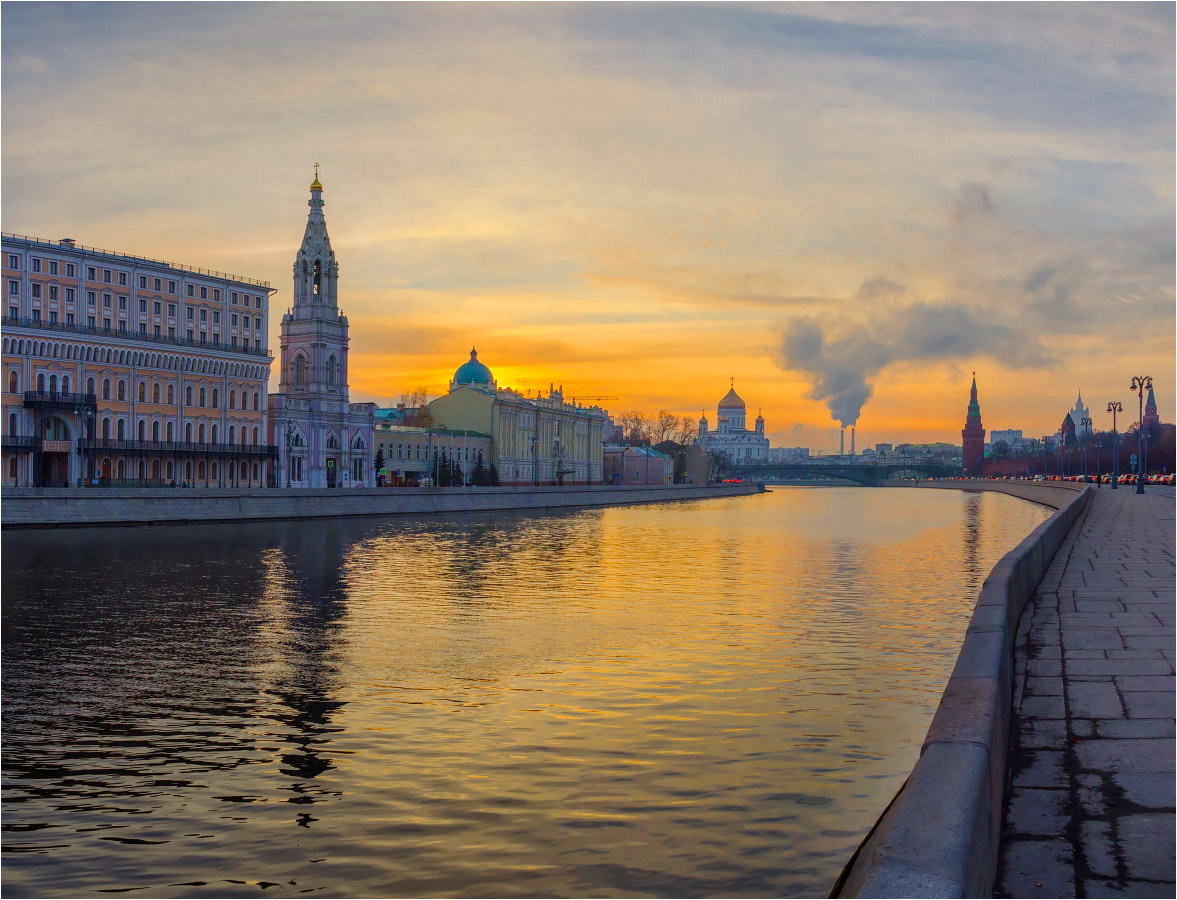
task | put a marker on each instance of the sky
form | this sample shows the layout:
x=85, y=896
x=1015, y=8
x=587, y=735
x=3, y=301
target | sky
x=847, y=208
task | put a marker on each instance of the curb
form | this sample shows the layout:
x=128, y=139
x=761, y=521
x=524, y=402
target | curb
x=941, y=834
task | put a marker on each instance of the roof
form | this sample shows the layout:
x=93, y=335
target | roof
x=473, y=372
x=731, y=400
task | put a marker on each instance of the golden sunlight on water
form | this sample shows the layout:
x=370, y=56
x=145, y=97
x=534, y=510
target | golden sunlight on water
x=702, y=698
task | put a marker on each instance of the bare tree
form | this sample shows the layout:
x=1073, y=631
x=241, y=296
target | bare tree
x=637, y=426
x=686, y=431
x=416, y=412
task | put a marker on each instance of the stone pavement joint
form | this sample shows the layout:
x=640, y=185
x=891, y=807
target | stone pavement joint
x=1090, y=805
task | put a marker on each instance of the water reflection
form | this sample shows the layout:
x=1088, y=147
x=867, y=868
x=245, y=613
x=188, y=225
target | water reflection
x=686, y=699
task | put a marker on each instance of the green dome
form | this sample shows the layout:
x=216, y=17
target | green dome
x=473, y=372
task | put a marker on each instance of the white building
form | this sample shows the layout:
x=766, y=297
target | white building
x=731, y=438
x=1078, y=414
x=323, y=440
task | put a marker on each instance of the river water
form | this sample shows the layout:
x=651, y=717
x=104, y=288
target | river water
x=697, y=698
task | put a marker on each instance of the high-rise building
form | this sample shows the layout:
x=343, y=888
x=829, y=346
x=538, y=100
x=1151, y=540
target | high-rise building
x=973, y=446
x=121, y=369
x=323, y=439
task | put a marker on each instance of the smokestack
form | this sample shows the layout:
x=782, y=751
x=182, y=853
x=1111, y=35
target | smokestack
x=851, y=440
x=842, y=442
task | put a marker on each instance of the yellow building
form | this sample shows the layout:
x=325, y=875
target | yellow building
x=123, y=369
x=534, y=440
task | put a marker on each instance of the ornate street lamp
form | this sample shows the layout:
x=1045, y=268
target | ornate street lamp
x=289, y=450
x=1086, y=423
x=1140, y=384
x=1098, y=477
x=1115, y=407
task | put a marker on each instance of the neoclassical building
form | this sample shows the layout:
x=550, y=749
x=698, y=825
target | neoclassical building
x=731, y=438
x=323, y=440
x=540, y=440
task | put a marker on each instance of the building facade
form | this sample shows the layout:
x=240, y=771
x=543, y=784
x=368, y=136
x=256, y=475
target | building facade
x=637, y=465
x=1078, y=413
x=973, y=435
x=535, y=440
x=731, y=439
x=411, y=453
x=121, y=369
x=323, y=440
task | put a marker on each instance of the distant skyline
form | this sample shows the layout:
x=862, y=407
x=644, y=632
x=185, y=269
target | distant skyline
x=847, y=207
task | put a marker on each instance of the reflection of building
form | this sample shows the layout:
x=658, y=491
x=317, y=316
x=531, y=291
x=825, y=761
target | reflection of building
x=540, y=440
x=637, y=465
x=126, y=368
x=323, y=440
x=731, y=438
x=973, y=446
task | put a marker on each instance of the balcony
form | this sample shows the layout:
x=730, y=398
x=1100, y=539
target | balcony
x=179, y=448
x=22, y=443
x=94, y=331
x=59, y=399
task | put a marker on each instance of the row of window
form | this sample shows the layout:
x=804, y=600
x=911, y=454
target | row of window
x=52, y=385
x=157, y=330
x=35, y=264
x=157, y=306
x=413, y=451
x=166, y=471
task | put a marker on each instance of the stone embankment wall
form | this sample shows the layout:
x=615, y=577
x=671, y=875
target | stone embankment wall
x=47, y=507
x=941, y=834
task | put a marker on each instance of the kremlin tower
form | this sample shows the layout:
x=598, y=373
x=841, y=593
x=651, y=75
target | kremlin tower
x=973, y=447
x=1150, y=410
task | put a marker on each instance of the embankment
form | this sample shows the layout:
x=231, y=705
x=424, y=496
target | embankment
x=71, y=507
x=941, y=834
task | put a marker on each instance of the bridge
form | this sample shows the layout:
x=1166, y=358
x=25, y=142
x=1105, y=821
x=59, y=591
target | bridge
x=861, y=473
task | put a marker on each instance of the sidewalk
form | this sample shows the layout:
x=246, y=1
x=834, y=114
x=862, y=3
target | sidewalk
x=1090, y=809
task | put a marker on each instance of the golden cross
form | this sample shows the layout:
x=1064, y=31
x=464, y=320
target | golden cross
x=316, y=170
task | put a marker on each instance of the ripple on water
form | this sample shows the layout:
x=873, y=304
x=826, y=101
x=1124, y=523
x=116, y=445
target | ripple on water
x=688, y=699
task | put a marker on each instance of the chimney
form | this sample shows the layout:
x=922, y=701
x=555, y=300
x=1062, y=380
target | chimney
x=851, y=440
x=69, y=242
x=842, y=442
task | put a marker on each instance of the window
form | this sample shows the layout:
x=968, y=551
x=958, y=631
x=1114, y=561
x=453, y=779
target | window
x=216, y=395
x=69, y=295
x=36, y=263
x=155, y=393
x=106, y=324
x=143, y=328
x=191, y=290
x=172, y=309
x=106, y=275
x=156, y=307
x=300, y=371
x=106, y=389
x=155, y=431
x=156, y=284
x=217, y=296
x=233, y=320
x=36, y=286
x=191, y=312
x=233, y=296
x=89, y=321
x=171, y=331
x=189, y=334
x=12, y=386
x=203, y=293
x=52, y=292
x=204, y=314
x=216, y=337
x=13, y=261
x=142, y=305
x=232, y=402
x=122, y=301
x=171, y=431
x=203, y=396
x=143, y=282
x=216, y=317
x=13, y=312
x=13, y=288
x=36, y=315
x=69, y=270
x=233, y=341
x=142, y=392
x=171, y=287
x=257, y=343
x=52, y=267
x=69, y=318
x=331, y=372
x=256, y=401
x=90, y=386
x=122, y=277
x=122, y=390
x=188, y=395
x=90, y=297
x=257, y=301
x=142, y=429
x=157, y=334
x=122, y=429
x=90, y=273
x=171, y=395
x=106, y=300
x=122, y=326
x=52, y=315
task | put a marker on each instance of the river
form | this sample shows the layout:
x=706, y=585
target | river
x=690, y=699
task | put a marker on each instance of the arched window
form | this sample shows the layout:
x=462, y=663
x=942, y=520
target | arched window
x=12, y=468
x=12, y=423
x=332, y=368
x=142, y=429
x=122, y=429
x=65, y=384
x=213, y=471
x=41, y=382
x=214, y=434
x=200, y=470
x=89, y=385
x=216, y=396
x=122, y=390
x=170, y=476
x=232, y=400
x=53, y=384
x=202, y=396
x=188, y=471
x=318, y=273
x=232, y=433
x=201, y=440
x=171, y=431
x=105, y=388
x=188, y=432
x=245, y=471
x=155, y=393
x=106, y=429
x=13, y=384
x=300, y=371
x=255, y=435
x=122, y=468
x=142, y=392
x=256, y=401
x=254, y=470
x=171, y=395
x=155, y=431
x=333, y=443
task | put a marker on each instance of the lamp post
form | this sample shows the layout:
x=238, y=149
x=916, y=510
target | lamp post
x=1086, y=424
x=289, y=446
x=1098, y=477
x=1115, y=407
x=1140, y=383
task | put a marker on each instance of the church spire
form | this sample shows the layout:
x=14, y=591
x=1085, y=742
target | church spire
x=974, y=406
x=315, y=269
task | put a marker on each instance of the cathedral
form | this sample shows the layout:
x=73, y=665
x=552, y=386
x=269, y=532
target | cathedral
x=323, y=440
x=731, y=438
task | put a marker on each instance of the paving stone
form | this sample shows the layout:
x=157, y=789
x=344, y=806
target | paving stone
x=1149, y=704
x=1142, y=889
x=1041, y=685
x=1042, y=708
x=1146, y=683
x=1116, y=667
x=1043, y=769
x=1115, y=755
x=1094, y=700
x=1084, y=654
x=1042, y=734
x=1097, y=848
x=1085, y=606
x=1051, y=667
x=1134, y=728
x=1037, y=869
x=1135, y=654
x=1152, y=790
x=1037, y=811
x=1146, y=843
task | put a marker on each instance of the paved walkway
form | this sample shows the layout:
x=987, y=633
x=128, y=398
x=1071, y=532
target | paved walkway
x=1090, y=810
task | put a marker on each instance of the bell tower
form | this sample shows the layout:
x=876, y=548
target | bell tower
x=973, y=446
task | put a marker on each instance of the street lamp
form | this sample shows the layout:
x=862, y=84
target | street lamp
x=1098, y=477
x=1115, y=407
x=1086, y=423
x=1140, y=383
x=289, y=445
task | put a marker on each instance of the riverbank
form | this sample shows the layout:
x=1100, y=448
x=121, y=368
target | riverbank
x=74, y=507
x=940, y=836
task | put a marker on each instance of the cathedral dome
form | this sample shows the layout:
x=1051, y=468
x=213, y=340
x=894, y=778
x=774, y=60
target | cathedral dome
x=731, y=400
x=473, y=372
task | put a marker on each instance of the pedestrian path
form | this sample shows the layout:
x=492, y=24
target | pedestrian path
x=1090, y=809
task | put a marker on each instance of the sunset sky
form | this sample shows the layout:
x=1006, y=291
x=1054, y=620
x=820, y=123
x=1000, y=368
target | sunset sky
x=841, y=205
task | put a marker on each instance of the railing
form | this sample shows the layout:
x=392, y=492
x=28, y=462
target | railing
x=115, y=254
x=22, y=442
x=75, y=328
x=119, y=445
x=60, y=398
